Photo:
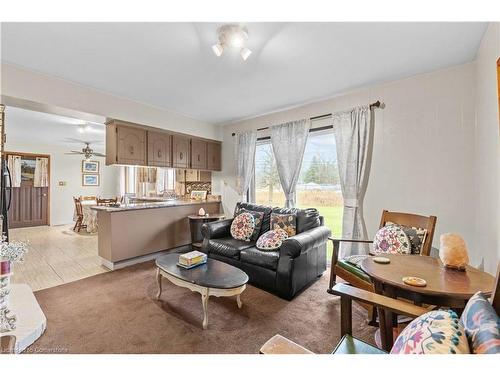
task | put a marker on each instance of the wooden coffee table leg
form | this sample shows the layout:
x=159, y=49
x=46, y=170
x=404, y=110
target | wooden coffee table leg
x=204, y=302
x=238, y=301
x=158, y=281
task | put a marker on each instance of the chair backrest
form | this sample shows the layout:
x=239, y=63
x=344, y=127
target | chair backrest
x=106, y=201
x=78, y=206
x=495, y=296
x=88, y=198
x=412, y=220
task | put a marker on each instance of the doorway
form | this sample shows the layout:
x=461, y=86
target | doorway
x=30, y=179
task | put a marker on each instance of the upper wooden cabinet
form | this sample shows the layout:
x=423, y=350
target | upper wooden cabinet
x=134, y=144
x=125, y=144
x=180, y=147
x=159, y=149
x=214, y=156
x=198, y=154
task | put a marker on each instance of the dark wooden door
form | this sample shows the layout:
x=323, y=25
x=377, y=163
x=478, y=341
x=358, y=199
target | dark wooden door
x=180, y=147
x=159, y=149
x=198, y=154
x=214, y=156
x=29, y=206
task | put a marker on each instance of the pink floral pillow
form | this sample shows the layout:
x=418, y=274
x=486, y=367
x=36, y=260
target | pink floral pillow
x=391, y=239
x=243, y=226
x=271, y=240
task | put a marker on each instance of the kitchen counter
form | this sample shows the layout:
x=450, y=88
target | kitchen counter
x=154, y=203
x=138, y=231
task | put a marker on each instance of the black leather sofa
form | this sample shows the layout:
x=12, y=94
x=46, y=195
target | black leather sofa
x=285, y=272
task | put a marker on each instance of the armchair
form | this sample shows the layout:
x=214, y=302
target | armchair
x=354, y=275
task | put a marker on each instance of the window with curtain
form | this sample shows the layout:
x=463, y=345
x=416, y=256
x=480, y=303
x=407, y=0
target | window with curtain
x=145, y=181
x=318, y=185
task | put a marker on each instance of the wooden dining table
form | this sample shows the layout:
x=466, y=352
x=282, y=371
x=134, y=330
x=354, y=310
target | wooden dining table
x=445, y=287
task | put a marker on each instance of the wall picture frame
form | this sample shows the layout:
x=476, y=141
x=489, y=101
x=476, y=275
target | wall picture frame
x=90, y=179
x=90, y=166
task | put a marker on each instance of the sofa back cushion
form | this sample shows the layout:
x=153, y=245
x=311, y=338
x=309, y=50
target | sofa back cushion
x=482, y=325
x=435, y=332
x=266, y=210
x=307, y=218
x=285, y=222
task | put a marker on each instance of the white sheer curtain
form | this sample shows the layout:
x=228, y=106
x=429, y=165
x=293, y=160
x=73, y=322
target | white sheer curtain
x=41, y=178
x=289, y=142
x=14, y=165
x=352, y=136
x=245, y=161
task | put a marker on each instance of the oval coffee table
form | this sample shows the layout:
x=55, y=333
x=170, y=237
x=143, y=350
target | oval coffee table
x=214, y=278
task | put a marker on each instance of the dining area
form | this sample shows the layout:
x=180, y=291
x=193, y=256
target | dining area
x=84, y=216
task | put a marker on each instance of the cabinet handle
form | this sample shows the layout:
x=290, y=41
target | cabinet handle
x=159, y=153
x=131, y=150
x=198, y=157
x=180, y=156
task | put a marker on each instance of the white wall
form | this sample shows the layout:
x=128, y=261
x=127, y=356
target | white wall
x=68, y=168
x=423, y=153
x=24, y=84
x=487, y=145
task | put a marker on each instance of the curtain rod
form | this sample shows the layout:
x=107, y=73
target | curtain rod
x=377, y=104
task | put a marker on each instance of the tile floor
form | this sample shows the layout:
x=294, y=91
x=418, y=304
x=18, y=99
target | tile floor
x=57, y=255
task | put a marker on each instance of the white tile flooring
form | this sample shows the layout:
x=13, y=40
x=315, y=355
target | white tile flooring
x=56, y=256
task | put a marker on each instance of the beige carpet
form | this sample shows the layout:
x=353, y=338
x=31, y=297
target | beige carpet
x=116, y=312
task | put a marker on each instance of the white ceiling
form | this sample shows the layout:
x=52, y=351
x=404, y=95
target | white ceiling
x=172, y=66
x=30, y=127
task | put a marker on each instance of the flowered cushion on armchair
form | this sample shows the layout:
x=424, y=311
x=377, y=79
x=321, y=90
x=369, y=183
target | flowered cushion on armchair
x=482, y=325
x=391, y=239
x=271, y=240
x=243, y=226
x=435, y=332
x=415, y=235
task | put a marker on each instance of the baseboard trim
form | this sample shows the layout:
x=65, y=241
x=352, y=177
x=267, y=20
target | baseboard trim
x=141, y=259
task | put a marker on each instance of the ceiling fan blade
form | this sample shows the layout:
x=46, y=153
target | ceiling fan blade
x=99, y=154
x=74, y=153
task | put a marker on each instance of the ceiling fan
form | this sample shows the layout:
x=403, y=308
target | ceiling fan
x=86, y=151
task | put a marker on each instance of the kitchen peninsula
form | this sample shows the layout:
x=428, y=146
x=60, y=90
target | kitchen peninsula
x=135, y=232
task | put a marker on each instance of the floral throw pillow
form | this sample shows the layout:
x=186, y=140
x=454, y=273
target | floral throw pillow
x=391, y=239
x=415, y=235
x=243, y=226
x=482, y=325
x=435, y=332
x=271, y=240
x=258, y=216
x=287, y=222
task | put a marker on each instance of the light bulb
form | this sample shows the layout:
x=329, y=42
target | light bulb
x=245, y=53
x=218, y=49
x=236, y=40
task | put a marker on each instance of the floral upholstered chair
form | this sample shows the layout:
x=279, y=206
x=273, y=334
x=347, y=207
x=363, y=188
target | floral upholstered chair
x=399, y=232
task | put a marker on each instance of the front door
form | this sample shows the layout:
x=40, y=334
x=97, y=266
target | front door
x=29, y=204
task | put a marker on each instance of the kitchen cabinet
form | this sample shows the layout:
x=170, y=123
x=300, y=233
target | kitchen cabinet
x=125, y=144
x=198, y=154
x=180, y=147
x=159, y=149
x=214, y=156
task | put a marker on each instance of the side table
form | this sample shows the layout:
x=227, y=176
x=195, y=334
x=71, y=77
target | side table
x=195, y=223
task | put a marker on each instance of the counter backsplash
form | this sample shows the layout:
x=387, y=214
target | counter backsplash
x=198, y=186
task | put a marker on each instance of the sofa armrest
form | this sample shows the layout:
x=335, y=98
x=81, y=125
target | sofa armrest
x=217, y=229
x=294, y=246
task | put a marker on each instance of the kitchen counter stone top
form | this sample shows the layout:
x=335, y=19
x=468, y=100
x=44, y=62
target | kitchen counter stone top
x=154, y=203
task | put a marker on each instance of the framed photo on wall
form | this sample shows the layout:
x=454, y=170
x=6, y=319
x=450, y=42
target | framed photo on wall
x=90, y=179
x=89, y=166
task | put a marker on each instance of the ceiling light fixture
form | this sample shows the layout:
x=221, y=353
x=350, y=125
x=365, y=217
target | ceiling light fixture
x=232, y=36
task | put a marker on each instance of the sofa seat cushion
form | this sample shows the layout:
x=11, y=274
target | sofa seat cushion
x=266, y=259
x=351, y=345
x=351, y=268
x=228, y=247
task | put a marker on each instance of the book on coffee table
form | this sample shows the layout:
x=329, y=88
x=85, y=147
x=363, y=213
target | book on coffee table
x=192, y=258
x=192, y=265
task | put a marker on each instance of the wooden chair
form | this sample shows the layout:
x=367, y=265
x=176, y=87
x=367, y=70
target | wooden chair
x=79, y=215
x=7, y=344
x=88, y=198
x=106, y=201
x=355, y=276
x=348, y=344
